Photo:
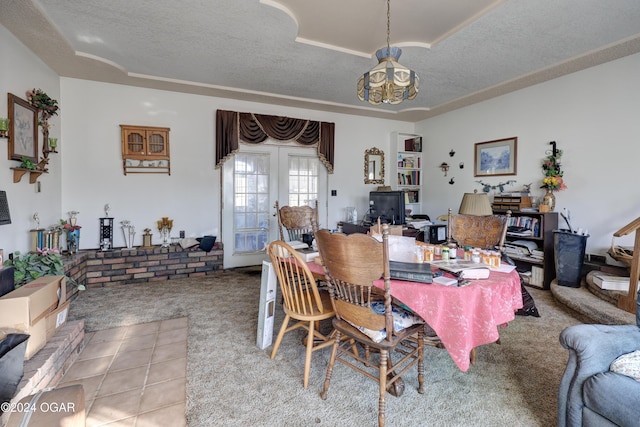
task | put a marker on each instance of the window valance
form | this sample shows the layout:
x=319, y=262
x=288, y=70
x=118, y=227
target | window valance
x=233, y=127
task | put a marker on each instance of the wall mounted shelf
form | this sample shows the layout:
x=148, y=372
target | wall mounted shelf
x=18, y=173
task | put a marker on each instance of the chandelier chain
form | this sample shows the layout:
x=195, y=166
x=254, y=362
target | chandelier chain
x=388, y=25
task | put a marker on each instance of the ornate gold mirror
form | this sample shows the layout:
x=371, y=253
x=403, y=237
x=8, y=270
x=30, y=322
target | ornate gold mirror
x=374, y=166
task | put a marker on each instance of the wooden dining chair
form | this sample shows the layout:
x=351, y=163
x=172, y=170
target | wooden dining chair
x=352, y=263
x=302, y=301
x=480, y=231
x=296, y=220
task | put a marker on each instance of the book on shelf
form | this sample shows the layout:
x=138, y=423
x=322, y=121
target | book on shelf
x=520, y=233
x=537, y=276
x=611, y=282
x=520, y=247
x=411, y=196
x=537, y=253
x=410, y=271
x=523, y=226
x=464, y=269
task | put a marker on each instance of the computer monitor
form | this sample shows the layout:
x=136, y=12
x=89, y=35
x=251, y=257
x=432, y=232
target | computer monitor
x=388, y=206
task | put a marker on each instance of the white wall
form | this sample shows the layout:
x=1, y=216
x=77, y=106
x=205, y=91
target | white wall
x=593, y=117
x=21, y=70
x=87, y=173
x=92, y=162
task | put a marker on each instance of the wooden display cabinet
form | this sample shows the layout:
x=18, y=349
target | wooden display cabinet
x=145, y=149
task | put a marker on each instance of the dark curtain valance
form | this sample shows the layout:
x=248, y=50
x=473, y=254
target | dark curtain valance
x=233, y=127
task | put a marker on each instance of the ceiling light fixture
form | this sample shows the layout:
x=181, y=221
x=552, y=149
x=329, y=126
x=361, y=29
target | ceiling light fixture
x=388, y=82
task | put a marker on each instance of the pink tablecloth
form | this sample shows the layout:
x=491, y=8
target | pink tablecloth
x=464, y=317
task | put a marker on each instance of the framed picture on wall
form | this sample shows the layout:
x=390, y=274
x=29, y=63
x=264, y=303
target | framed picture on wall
x=23, y=129
x=497, y=157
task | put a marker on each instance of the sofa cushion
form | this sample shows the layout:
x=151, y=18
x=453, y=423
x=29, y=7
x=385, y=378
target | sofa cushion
x=614, y=396
x=627, y=364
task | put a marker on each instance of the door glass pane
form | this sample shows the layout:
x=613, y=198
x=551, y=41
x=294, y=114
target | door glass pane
x=303, y=180
x=251, y=183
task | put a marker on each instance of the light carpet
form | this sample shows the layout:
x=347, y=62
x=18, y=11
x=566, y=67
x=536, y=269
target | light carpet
x=231, y=382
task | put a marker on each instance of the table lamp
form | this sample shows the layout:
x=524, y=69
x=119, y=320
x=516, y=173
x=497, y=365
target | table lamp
x=475, y=204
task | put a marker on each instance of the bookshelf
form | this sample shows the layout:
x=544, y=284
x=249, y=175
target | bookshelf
x=542, y=264
x=406, y=168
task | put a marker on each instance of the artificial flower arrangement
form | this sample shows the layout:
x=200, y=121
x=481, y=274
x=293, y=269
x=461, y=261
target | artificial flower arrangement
x=68, y=227
x=43, y=262
x=39, y=99
x=551, y=168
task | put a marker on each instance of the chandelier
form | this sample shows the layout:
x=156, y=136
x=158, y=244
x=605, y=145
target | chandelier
x=388, y=82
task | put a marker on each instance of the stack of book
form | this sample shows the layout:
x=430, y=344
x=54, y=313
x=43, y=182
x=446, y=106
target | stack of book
x=610, y=282
x=537, y=254
x=410, y=271
x=522, y=248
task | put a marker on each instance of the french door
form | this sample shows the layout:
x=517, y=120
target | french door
x=252, y=181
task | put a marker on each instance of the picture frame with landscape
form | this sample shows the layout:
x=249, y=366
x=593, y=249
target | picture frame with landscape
x=23, y=129
x=496, y=158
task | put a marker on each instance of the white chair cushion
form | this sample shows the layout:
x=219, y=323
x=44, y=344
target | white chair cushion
x=401, y=320
x=627, y=364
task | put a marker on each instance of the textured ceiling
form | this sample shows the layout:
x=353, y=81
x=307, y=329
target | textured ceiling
x=310, y=54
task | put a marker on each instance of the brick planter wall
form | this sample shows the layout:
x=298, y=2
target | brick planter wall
x=95, y=268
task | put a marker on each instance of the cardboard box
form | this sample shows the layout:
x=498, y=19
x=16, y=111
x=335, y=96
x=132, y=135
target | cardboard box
x=26, y=309
x=56, y=319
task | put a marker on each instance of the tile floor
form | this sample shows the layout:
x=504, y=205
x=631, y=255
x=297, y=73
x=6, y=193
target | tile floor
x=134, y=375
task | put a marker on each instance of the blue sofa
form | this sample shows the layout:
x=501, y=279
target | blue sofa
x=589, y=394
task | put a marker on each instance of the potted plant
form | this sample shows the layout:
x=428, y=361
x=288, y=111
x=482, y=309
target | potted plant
x=26, y=163
x=44, y=262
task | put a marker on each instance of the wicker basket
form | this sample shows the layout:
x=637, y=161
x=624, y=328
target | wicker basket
x=621, y=254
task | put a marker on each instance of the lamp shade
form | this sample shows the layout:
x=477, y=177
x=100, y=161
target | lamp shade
x=475, y=204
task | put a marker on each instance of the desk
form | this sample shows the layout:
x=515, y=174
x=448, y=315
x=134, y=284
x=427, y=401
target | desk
x=463, y=318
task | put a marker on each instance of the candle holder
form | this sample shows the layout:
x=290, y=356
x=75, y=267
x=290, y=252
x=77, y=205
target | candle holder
x=53, y=143
x=164, y=227
x=4, y=127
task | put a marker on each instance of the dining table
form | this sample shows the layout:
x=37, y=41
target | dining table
x=463, y=317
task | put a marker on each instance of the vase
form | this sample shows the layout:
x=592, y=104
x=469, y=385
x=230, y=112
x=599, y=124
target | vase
x=549, y=199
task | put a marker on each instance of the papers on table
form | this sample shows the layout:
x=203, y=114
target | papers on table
x=464, y=269
x=418, y=224
x=308, y=254
x=297, y=244
x=505, y=268
x=446, y=281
